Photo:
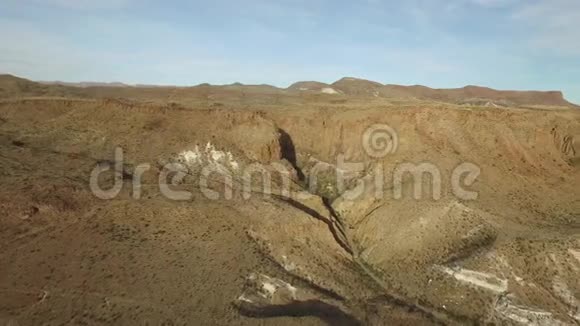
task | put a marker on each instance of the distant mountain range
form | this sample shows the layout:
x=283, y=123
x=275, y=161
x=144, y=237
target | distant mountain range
x=348, y=86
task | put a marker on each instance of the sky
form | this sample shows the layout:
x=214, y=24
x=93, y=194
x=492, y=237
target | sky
x=503, y=44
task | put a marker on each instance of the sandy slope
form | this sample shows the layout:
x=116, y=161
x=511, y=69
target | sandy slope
x=511, y=256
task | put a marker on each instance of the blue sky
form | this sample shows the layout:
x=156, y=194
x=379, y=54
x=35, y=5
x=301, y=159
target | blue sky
x=504, y=44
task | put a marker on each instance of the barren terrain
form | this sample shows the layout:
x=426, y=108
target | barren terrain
x=302, y=254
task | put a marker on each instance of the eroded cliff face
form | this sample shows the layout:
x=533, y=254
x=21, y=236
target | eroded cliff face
x=462, y=258
x=509, y=255
x=147, y=133
x=464, y=132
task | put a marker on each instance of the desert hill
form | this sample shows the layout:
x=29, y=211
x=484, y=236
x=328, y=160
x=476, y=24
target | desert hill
x=357, y=87
x=475, y=94
x=12, y=86
x=89, y=84
x=312, y=86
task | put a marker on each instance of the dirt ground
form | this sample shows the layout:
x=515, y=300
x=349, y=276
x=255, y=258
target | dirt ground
x=309, y=256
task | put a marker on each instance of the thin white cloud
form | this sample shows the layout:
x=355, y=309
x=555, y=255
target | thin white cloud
x=494, y=3
x=553, y=25
x=80, y=4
